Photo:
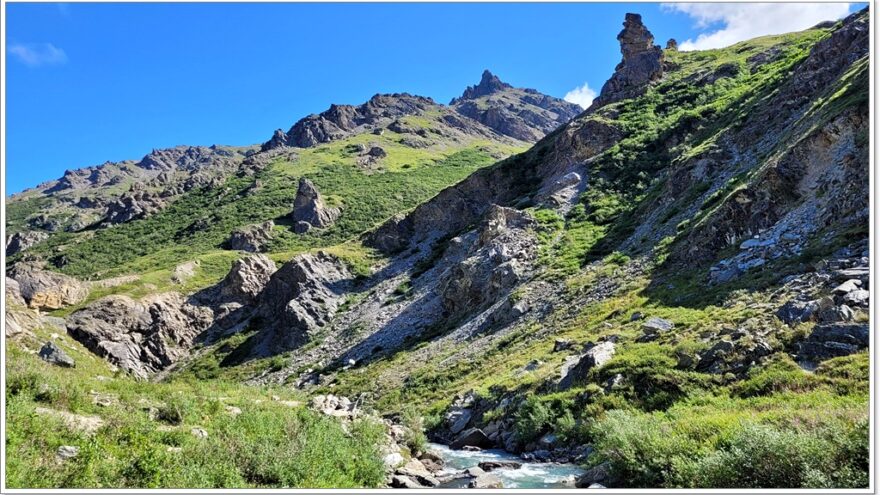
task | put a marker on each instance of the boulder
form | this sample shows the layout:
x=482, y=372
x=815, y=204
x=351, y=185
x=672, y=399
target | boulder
x=599, y=474
x=48, y=290
x=66, y=452
x=837, y=314
x=833, y=340
x=184, y=272
x=492, y=465
x=251, y=238
x=309, y=210
x=575, y=371
x=21, y=321
x=377, y=152
x=794, y=312
x=473, y=437
x=51, y=353
x=303, y=296
x=393, y=460
x=486, y=481
x=458, y=419
x=858, y=297
x=847, y=287
x=654, y=325
x=401, y=481
x=561, y=345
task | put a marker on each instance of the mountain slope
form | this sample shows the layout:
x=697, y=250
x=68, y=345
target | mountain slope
x=671, y=289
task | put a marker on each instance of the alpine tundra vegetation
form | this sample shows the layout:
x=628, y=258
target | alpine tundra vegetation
x=667, y=289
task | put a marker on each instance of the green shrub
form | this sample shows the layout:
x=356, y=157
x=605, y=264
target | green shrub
x=532, y=419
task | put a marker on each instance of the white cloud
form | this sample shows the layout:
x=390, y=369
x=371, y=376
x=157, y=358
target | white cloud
x=742, y=21
x=37, y=54
x=582, y=96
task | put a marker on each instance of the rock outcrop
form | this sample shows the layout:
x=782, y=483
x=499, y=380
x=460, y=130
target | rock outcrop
x=135, y=204
x=340, y=121
x=48, y=290
x=251, y=238
x=497, y=258
x=141, y=337
x=300, y=298
x=23, y=240
x=309, y=210
x=642, y=62
x=247, y=279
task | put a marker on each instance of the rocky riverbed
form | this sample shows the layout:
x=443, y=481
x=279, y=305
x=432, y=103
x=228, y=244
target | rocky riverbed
x=510, y=469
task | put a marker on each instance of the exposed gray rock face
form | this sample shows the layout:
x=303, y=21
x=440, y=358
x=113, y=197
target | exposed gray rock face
x=133, y=205
x=301, y=297
x=642, y=62
x=51, y=353
x=252, y=238
x=522, y=114
x=577, y=369
x=188, y=158
x=833, y=340
x=13, y=292
x=340, y=121
x=497, y=260
x=48, y=290
x=247, y=278
x=21, y=241
x=21, y=321
x=309, y=210
x=143, y=336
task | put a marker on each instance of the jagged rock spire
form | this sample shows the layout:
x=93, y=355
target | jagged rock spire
x=642, y=62
x=489, y=83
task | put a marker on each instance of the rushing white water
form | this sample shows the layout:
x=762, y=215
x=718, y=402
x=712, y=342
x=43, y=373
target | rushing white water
x=530, y=475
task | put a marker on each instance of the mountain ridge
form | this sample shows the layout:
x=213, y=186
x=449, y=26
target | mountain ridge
x=671, y=283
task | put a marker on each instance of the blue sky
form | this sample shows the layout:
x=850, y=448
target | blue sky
x=87, y=83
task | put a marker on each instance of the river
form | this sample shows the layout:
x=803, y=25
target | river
x=530, y=475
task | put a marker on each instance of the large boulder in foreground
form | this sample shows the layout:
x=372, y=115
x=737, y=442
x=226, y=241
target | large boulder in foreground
x=43, y=289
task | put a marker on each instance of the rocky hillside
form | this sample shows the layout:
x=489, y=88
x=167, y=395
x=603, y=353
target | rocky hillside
x=670, y=289
x=389, y=133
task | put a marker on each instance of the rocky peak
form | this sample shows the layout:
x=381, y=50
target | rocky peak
x=340, y=121
x=642, y=62
x=672, y=44
x=489, y=83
